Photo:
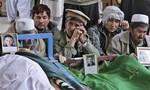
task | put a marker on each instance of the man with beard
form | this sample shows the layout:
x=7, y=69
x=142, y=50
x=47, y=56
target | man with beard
x=126, y=43
x=26, y=26
x=73, y=41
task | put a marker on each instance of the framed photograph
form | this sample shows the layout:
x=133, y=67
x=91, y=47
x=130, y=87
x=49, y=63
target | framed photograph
x=90, y=63
x=143, y=55
x=9, y=42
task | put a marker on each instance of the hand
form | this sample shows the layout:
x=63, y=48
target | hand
x=99, y=21
x=124, y=24
x=83, y=35
x=60, y=57
x=134, y=55
x=78, y=34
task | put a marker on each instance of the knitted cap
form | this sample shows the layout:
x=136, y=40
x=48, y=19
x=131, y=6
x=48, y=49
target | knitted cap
x=112, y=12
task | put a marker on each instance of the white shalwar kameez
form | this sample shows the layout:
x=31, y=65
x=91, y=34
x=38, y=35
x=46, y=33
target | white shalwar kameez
x=22, y=6
x=20, y=73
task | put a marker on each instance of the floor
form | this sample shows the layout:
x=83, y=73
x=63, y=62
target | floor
x=4, y=24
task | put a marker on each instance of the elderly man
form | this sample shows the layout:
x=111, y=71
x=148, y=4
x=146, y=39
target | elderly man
x=26, y=26
x=73, y=40
x=101, y=34
x=126, y=43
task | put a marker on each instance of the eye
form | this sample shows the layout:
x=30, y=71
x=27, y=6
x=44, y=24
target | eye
x=77, y=25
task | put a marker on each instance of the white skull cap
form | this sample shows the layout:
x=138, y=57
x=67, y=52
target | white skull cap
x=140, y=18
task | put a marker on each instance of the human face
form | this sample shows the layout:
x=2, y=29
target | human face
x=70, y=26
x=138, y=34
x=30, y=42
x=41, y=21
x=8, y=41
x=112, y=24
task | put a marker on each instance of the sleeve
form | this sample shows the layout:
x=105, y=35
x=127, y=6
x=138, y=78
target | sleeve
x=114, y=47
x=94, y=37
x=89, y=48
x=61, y=47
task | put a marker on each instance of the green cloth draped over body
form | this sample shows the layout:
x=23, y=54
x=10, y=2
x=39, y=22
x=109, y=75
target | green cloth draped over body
x=123, y=73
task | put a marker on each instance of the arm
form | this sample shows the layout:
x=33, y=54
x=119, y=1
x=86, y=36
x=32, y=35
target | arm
x=94, y=38
x=114, y=47
x=90, y=49
x=62, y=47
x=67, y=49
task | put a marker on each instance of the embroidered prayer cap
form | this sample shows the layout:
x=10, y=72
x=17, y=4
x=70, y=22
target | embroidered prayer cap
x=24, y=24
x=140, y=18
x=77, y=14
x=112, y=12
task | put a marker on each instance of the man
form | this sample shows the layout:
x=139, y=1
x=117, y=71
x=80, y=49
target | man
x=41, y=16
x=73, y=40
x=26, y=26
x=90, y=61
x=57, y=8
x=85, y=6
x=126, y=43
x=8, y=40
x=112, y=22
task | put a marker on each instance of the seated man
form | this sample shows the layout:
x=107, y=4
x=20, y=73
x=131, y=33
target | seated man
x=73, y=40
x=26, y=26
x=126, y=43
x=41, y=15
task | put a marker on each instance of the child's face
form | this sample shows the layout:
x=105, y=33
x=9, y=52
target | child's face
x=8, y=41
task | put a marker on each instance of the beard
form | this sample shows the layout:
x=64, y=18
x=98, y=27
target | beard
x=41, y=28
x=29, y=46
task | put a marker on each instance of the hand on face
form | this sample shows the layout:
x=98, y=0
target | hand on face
x=83, y=37
x=124, y=24
x=80, y=33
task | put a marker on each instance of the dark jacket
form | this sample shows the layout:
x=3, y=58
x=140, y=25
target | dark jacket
x=98, y=35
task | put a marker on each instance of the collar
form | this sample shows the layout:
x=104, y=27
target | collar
x=67, y=38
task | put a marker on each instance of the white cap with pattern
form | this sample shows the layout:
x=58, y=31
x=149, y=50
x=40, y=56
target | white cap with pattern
x=140, y=18
x=24, y=24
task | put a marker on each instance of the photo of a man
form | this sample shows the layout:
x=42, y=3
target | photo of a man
x=90, y=61
x=8, y=41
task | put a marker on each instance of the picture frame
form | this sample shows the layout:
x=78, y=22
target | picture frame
x=143, y=55
x=9, y=43
x=90, y=63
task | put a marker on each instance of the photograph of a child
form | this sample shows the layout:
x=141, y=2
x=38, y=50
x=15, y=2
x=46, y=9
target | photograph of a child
x=90, y=61
x=9, y=41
